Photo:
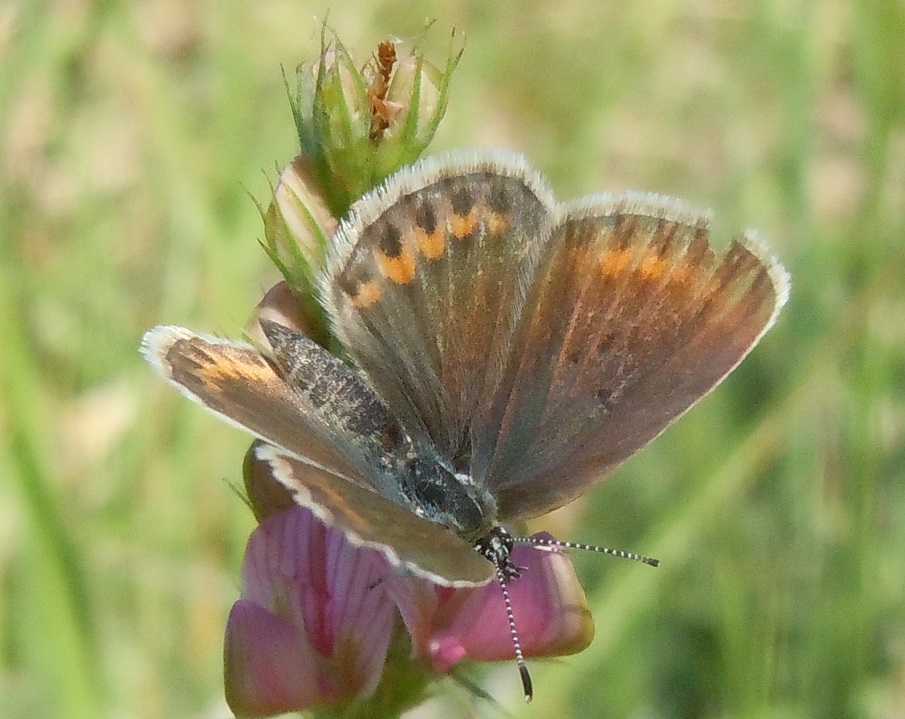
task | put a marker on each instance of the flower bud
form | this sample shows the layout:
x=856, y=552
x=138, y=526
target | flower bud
x=297, y=228
x=359, y=126
x=266, y=496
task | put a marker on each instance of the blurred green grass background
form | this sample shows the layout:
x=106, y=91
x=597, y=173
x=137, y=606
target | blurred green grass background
x=132, y=134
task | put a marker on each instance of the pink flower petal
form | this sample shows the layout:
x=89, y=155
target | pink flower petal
x=548, y=602
x=323, y=610
x=268, y=665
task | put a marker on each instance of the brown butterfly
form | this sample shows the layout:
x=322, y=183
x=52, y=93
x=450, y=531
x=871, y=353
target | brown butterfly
x=508, y=352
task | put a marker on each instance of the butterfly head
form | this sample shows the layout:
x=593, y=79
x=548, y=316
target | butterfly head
x=496, y=546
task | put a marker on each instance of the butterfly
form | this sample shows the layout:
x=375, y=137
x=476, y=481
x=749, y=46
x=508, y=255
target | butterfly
x=506, y=352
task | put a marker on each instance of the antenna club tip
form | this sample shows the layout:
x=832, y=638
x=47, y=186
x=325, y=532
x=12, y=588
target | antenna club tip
x=526, y=683
x=652, y=562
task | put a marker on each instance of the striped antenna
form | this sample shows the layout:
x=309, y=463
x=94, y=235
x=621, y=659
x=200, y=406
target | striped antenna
x=503, y=581
x=542, y=543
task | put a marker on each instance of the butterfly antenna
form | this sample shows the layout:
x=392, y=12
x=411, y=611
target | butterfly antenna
x=513, y=632
x=542, y=543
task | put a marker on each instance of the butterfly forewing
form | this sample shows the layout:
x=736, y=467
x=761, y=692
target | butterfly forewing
x=427, y=287
x=633, y=320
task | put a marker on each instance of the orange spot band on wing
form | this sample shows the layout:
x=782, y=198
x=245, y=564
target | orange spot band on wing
x=497, y=224
x=368, y=293
x=615, y=262
x=461, y=227
x=682, y=274
x=400, y=269
x=652, y=267
x=225, y=369
x=431, y=244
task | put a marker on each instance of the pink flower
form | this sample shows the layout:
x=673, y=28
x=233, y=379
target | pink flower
x=318, y=618
x=314, y=622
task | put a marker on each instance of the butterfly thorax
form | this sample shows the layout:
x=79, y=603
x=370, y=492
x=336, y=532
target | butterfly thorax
x=452, y=499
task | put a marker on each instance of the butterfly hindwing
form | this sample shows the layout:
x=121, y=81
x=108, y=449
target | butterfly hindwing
x=305, y=400
x=419, y=546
